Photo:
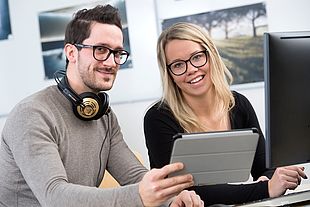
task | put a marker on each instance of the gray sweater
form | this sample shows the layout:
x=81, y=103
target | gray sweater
x=48, y=157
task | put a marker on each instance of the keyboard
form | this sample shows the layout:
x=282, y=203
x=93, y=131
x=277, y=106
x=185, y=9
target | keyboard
x=300, y=198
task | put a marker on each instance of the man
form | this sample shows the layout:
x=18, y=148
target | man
x=57, y=143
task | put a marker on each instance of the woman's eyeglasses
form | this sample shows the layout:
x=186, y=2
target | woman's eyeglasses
x=197, y=60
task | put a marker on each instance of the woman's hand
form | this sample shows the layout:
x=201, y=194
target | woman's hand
x=284, y=178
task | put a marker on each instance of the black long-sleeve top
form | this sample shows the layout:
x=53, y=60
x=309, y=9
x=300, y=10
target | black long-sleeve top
x=160, y=126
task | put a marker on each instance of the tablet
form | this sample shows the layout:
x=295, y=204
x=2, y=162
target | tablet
x=216, y=157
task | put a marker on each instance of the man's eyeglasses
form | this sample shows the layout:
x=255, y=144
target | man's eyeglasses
x=102, y=53
x=197, y=60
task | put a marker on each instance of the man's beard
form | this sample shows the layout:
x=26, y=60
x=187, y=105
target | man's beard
x=97, y=85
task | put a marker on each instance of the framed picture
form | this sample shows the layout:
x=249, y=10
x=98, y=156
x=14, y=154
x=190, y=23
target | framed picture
x=52, y=31
x=238, y=35
x=5, y=23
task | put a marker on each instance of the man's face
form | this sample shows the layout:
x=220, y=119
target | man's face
x=91, y=74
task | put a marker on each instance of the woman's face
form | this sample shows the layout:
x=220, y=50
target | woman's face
x=195, y=82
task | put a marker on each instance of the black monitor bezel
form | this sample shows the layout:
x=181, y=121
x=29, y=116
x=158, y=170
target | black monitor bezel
x=283, y=46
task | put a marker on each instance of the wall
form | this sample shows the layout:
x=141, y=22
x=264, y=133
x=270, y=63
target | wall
x=21, y=65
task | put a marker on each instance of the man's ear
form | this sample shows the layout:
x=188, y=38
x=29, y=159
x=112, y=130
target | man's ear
x=71, y=52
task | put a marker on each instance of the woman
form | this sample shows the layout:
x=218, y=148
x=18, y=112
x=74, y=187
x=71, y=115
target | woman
x=196, y=97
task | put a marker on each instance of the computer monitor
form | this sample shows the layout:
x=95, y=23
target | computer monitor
x=287, y=97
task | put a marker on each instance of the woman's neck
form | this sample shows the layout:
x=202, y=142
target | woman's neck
x=204, y=105
x=209, y=111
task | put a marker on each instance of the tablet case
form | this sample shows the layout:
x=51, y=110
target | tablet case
x=216, y=157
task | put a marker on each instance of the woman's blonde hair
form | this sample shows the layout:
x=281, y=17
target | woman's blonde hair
x=220, y=76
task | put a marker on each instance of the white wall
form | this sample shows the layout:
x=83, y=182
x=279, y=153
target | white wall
x=21, y=64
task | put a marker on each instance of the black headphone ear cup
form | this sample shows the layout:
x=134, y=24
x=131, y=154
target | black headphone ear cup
x=93, y=106
x=104, y=105
x=104, y=97
x=90, y=108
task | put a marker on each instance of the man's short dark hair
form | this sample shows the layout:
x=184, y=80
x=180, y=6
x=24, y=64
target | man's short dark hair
x=79, y=28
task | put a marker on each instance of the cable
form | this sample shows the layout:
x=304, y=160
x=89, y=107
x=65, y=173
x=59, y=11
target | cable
x=105, y=137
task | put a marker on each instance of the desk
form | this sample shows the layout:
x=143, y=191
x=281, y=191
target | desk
x=291, y=198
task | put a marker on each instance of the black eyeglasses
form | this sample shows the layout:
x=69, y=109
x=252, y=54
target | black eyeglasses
x=102, y=53
x=197, y=60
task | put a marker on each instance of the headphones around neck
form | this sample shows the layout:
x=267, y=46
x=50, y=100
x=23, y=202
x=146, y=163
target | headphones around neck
x=86, y=106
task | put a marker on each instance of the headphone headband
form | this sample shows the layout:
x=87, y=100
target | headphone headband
x=65, y=88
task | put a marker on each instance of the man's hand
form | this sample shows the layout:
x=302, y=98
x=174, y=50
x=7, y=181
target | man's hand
x=187, y=199
x=155, y=188
x=285, y=178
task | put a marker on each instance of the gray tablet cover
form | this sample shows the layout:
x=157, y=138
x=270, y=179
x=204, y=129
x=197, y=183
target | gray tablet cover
x=216, y=157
